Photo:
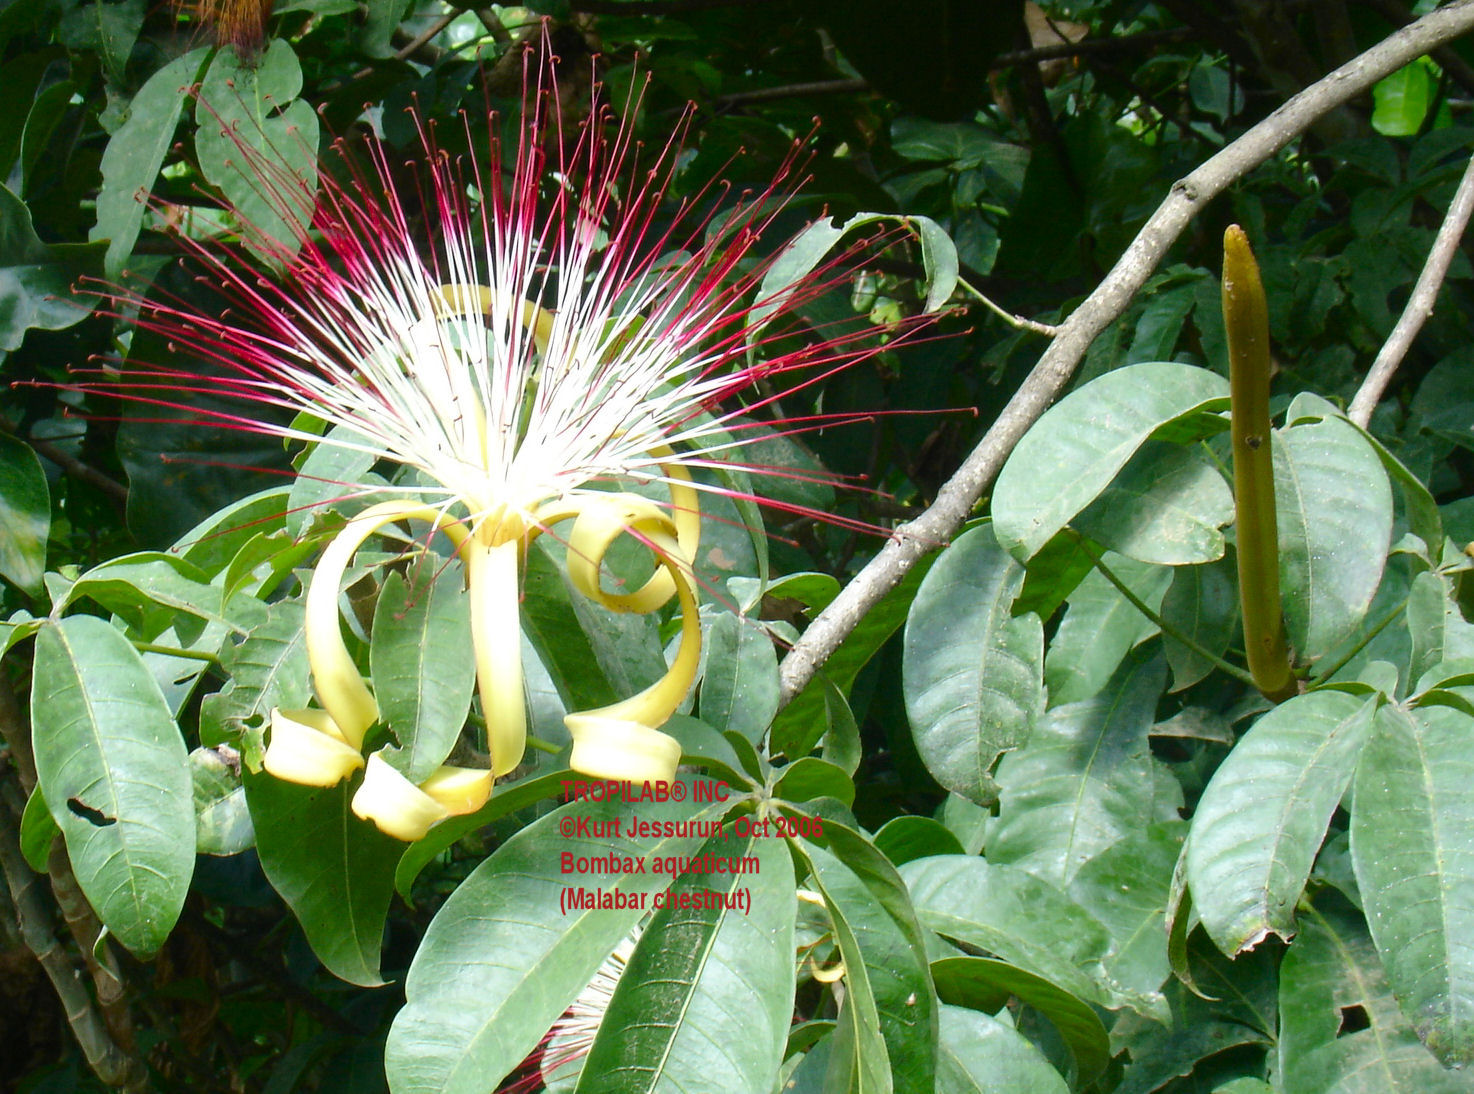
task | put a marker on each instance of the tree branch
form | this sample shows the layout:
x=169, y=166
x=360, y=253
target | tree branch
x=1419, y=304
x=109, y=1062
x=1188, y=195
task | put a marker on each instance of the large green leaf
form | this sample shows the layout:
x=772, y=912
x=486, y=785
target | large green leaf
x=1335, y=525
x=1078, y=446
x=982, y=1055
x=151, y=590
x=25, y=514
x=268, y=669
x=503, y=958
x=1023, y=919
x=1263, y=816
x=1166, y=506
x=1412, y=842
x=887, y=1029
x=739, y=686
x=1125, y=887
x=423, y=664
x=708, y=991
x=36, y=279
x=1101, y=627
x=136, y=152
x=114, y=772
x=988, y=984
x=1084, y=781
x=258, y=142
x=335, y=872
x=1330, y=974
x=973, y=674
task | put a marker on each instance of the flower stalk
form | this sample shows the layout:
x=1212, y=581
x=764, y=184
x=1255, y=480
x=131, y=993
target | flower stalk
x=1246, y=323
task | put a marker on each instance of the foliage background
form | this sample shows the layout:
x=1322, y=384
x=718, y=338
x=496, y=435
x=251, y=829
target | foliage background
x=1040, y=159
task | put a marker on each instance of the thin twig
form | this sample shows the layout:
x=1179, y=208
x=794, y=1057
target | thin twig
x=1018, y=322
x=910, y=542
x=791, y=91
x=1419, y=304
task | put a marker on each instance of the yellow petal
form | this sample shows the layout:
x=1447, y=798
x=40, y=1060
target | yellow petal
x=335, y=678
x=459, y=789
x=397, y=806
x=306, y=748
x=615, y=748
x=496, y=635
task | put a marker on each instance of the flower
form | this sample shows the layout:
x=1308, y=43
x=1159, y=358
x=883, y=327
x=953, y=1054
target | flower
x=560, y=334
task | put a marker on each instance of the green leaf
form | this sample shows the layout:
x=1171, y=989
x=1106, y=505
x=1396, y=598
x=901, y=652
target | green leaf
x=1335, y=524
x=268, y=669
x=214, y=543
x=904, y=838
x=38, y=831
x=987, y=984
x=150, y=590
x=708, y=992
x=1264, y=814
x=222, y=818
x=335, y=872
x=1401, y=100
x=1101, y=627
x=1084, y=781
x=973, y=674
x=114, y=772
x=328, y=478
x=1437, y=628
x=551, y=624
x=250, y=129
x=1023, y=919
x=1330, y=973
x=1078, y=446
x=1165, y=506
x=809, y=777
x=135, y=153
x=739, y=687
x=1410, y=842
x=1054, y=573
x=25, y=514
x=981, y=1055
x=501, y=960
x=887, y=1026
x=805, y=251
x=423, y=665
x=36, y=279
x=841, y=744
x=1126, y=888
x=1202, y=604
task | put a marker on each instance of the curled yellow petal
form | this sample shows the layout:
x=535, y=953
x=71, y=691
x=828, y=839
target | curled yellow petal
x=306, y=748
x=397, y=806
x=619, y=741
x=616, y=748
x=496, y=635
x=459, y=789
x=335, y=678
